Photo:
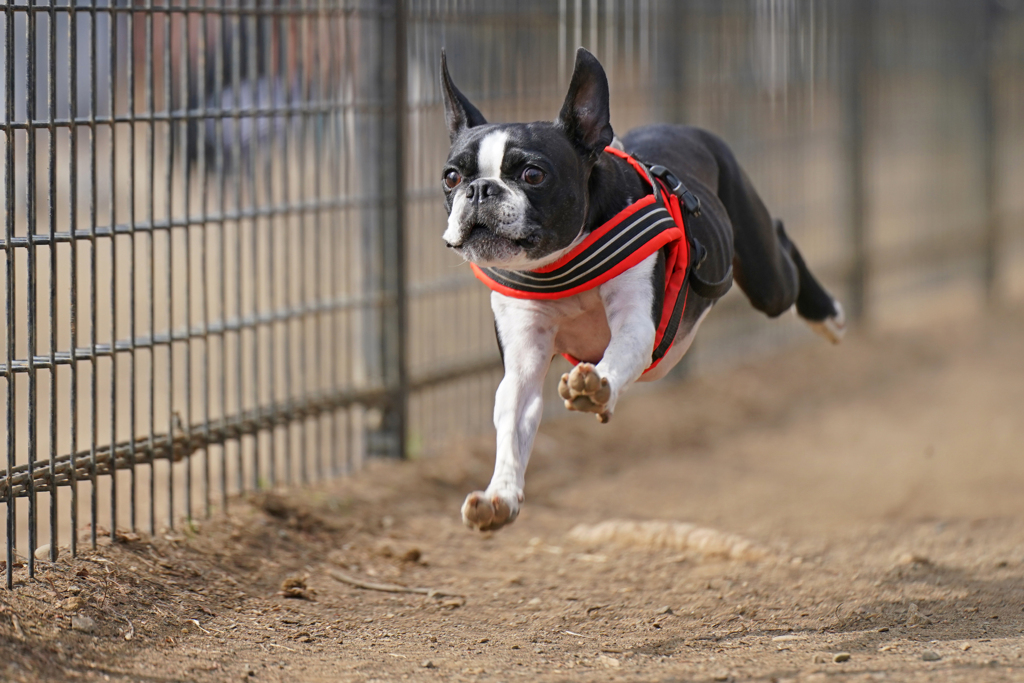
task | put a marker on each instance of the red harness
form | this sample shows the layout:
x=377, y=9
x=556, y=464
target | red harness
x=652, y=223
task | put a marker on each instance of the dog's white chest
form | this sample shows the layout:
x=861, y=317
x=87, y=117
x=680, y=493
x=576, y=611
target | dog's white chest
x=583, y=331
x=579, y=323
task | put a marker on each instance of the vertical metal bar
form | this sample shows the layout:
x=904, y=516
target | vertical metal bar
x=859, y=22
x=33, y=295
x=629, y=15
x=310, y=55
x=276, y=148
x=112, y=180
x=989, y=174
x=150, y=216
x=72, y=227
x=593, y=27
x=252, y=48
x=183, y=129
x=349, y=62
x=201, y=87
x=9, y=304
x=392, y=441
x=218, y=81
x=609, y=30
x=169, y=275
x=577, y=33
x=335, y=33
x=236, y=158
x=132, y=399
x=299, y=325
x=51, y=168
x=400, y=270
x=93, y=293
x=563, y=33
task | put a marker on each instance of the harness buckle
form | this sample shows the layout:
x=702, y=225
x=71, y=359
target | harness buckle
x=690, y=201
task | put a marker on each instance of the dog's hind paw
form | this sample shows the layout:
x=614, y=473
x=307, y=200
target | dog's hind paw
x=833, y=327
x=584, y=389
x=485, y=511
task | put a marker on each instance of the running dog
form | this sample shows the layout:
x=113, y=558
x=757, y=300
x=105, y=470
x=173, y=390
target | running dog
x=610, y=252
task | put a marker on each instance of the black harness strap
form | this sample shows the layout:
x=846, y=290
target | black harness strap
x=700, y=286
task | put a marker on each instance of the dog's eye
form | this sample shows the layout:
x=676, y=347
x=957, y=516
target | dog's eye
x=533, y=176
x=452, y=178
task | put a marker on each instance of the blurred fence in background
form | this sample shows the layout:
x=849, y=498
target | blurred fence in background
x=208, y=205
x=889, y=136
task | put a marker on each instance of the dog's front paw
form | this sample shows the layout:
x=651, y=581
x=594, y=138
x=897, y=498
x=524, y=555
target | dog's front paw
x=486, y=511
x=584, y=389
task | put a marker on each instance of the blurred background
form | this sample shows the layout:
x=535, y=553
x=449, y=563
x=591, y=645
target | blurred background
x=224, y=268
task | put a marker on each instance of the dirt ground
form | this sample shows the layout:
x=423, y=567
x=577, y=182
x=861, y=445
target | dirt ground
x=880, y=482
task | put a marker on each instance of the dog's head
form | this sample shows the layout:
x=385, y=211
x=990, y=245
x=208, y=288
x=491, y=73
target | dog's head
x=517, y=193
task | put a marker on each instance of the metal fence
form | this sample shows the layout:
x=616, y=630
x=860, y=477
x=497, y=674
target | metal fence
x=222, y=225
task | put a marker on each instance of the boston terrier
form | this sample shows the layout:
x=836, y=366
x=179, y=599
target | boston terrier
x=610, y=252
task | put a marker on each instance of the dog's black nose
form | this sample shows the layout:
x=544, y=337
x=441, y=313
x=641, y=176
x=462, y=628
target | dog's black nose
x=482, y=189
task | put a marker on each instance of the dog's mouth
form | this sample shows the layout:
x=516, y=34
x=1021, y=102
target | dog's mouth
x=482, y=238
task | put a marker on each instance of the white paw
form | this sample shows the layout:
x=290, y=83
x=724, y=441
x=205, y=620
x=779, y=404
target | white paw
x=489, y=510
x=832, y=328
x=584, y=389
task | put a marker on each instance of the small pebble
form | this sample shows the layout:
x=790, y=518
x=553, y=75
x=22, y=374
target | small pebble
x=43, y=552
x=930, y=656
x=965, y=647
x=664, y=610
x=83, y=623
x=721, y=676
x=427, y=664
x=841, y=657
x=786, y=639
x=883, y=629
x=72, y=604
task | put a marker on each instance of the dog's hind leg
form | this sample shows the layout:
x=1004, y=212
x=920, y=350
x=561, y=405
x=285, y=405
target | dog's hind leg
x=815, y=305
x=767, y=265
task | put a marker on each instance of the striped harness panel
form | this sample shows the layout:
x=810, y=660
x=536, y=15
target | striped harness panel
x=653, y=223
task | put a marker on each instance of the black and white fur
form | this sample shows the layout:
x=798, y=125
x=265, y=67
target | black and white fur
x=503, y=213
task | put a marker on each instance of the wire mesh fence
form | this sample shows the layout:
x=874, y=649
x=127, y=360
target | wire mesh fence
x=195, y=235
x=223, y=267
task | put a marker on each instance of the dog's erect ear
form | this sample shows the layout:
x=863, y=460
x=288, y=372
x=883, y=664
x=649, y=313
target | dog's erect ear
x=585, y=114
x=459, y=112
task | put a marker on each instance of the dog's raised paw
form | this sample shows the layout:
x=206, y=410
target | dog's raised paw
x=486, y=511
x=832, y=328
x=583, y=389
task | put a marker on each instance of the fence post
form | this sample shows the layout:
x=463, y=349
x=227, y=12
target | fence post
x=389, y=439
x=989, y=176
x=859, y=18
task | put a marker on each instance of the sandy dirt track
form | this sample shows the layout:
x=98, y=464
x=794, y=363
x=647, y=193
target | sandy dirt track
x=882, y=481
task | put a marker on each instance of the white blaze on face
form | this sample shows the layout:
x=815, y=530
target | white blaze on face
x=490, y=155
x=488, y=160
